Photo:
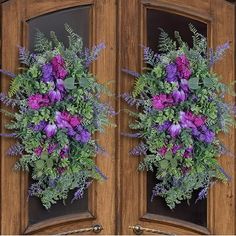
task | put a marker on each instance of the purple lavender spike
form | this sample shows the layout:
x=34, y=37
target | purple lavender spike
x=8, y=73
x=131, y=72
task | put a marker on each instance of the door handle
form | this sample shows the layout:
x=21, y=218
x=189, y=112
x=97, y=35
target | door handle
x=97, y=228
x=138, y=230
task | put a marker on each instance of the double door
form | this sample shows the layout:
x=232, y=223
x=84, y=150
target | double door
x=121, y=204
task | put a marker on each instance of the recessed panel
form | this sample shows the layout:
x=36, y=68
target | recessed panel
x=191, y=212
x=79, y=20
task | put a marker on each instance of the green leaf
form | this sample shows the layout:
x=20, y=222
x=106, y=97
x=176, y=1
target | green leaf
x=44, y=155
x=84, y=83
x=193, y=83
x=164, y=164
x=69, y=83
x=49, y=163
x=39, y=164
x=208, y=82
x=173, y=163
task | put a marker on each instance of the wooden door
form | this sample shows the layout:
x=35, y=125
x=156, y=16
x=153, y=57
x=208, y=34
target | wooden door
x=95, y=21
x=139, y=22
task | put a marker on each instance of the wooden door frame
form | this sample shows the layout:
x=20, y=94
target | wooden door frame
x=16, y=221
x=132, y=182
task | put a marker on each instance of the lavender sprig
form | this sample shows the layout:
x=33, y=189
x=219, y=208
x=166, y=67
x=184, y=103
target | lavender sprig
x=9, y=101
x=8, y=73
x=92, y=55
x=15, y=150
x=139, y=150
x=131, y=72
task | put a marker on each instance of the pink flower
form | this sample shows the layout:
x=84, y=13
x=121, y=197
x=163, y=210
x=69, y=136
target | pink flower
x=34, y=101
x=183, y=66
x=162, y=151
x=58, y=66
x=161, y=101
x=38, y=151
x=74, y=121
x=37, y=101
x=199, y=121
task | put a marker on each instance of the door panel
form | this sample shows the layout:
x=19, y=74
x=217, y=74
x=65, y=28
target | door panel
x=19, y=18
x=212, y=19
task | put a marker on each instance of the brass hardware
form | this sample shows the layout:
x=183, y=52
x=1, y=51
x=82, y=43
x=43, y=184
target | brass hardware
x=97, y=228
x=138, y=230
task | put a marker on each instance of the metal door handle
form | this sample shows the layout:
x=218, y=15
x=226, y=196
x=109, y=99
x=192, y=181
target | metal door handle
x=97, y=228
x=138, y=230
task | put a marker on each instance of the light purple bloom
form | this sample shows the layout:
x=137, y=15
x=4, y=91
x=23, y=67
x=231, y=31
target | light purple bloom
x=176, y=148
x=164, y=126
x=179, y=96
x=171, y=71
x=62, y=120
x=60, y=85
x=54, y=96
x=40, y=126
x=174, y=130
x=83, y=137
x=184, y=85
x=47, y=73
x=51, y=148
x=50, y=130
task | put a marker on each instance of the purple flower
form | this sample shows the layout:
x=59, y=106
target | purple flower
x=186, y=120
x=54, y=96
x=62, y=120
x=40, y=126
x=51, y=148
x=83, y=137
x=38, y=151
x=209, y=136
x=174, y=130
x=58, y=66
x=50, y=130
x=60, y=85
x=176, y=148
x=184, y=85
x=164, y=126
x=74, y=121
x=34, y=101
x=47, y=73
x=179, y=96
x=171, y=71
x=64, y=153
x=71, y=132
x=188, y=152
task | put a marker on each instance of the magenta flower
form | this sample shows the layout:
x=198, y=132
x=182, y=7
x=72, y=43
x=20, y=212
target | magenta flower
x=183, y=66
x=162, y=151
x=58, y=66
x=174, y=130
x=74, y=121
x=199, y=121
x=38, y=151
x=34, y=101
x=161, y=101
x=50, y=130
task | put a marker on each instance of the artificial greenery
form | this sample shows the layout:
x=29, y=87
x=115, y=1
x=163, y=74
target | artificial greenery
x=59, y=111
x=180, y=112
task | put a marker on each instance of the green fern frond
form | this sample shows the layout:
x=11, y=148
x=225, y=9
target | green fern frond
x=138, y=86
x=75, y=41
x=166, y=44
x=42, y=44
x=14, y=86
x=199, y=41
x=179, y=39
x=55, y=40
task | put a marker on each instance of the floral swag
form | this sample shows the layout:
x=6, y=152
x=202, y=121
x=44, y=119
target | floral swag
x=180, y=111
x=58, y=112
